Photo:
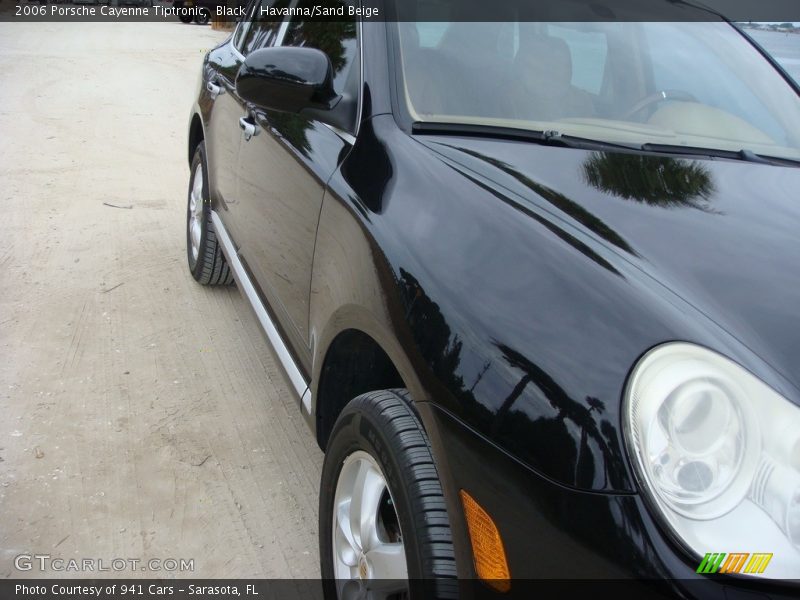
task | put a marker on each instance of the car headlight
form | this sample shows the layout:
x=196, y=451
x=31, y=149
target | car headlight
x=718, y=452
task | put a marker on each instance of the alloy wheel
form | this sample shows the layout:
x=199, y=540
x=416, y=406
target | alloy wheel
x=368, y=553
x=195, y=224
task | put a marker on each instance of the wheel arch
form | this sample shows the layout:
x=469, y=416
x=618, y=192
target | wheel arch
x=196, y=135
x=356, y=315
x=356, y=359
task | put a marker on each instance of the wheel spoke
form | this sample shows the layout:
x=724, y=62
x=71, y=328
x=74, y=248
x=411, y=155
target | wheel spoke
x=346, y=545
x=388, y=563
x=369, y=487
x=195, y=223
x=197, y=188
x=195, y=232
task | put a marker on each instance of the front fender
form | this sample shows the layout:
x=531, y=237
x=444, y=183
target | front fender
x=396, y=225
x=352, y=289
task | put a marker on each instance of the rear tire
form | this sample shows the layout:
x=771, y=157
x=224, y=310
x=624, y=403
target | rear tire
x=206, y=261
x=378, y=444
x=185, y=17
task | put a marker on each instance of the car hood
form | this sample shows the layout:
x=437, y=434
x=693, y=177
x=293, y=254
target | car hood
x=722, y=235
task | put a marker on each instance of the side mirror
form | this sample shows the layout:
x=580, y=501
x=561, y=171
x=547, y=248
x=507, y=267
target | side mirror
x=288, y=79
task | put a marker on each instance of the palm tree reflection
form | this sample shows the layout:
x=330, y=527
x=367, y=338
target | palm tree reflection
x=555, y=432
x=662, y=181
x=536, y=416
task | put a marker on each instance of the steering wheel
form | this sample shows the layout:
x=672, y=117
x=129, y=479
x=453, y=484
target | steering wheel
x=660, y=96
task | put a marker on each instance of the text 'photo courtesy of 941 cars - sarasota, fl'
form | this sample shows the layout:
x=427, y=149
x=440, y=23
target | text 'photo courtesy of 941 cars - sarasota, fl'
x=535, y=285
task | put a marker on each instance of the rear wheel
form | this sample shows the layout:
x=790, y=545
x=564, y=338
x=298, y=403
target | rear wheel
x=383, y=526
x=206, y=262
x=185, y=16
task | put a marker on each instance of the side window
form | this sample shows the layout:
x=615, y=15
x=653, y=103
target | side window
x=243, y=24
x=263, y=27
x=238, y=35
x=336, y=38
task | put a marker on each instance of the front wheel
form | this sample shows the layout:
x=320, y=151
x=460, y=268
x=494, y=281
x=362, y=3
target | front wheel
x=383, y=525
x=185, y=16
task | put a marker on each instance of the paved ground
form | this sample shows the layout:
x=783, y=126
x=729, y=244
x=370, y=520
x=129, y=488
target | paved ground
x=141, y=415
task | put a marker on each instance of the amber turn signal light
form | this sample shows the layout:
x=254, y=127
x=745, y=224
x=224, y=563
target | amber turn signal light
x=487, y=546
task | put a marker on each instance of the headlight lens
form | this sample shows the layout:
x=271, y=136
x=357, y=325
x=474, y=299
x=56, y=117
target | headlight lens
x=719, y=453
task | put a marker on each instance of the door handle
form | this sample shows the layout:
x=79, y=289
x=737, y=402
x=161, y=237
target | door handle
x=214, y=89
x=250, y=129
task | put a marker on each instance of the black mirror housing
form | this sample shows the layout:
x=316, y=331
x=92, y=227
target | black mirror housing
x=289, y=79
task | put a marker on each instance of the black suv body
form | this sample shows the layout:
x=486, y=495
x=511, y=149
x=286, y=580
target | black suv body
x=469, y=312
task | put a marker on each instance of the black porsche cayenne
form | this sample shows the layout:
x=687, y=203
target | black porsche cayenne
x=535, y=285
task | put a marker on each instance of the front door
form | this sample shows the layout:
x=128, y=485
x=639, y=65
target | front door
x=283, y=170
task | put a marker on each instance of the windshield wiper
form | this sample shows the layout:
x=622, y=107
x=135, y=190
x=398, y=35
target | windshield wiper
x=556, y=138
x=545, y=138
x=744, y=154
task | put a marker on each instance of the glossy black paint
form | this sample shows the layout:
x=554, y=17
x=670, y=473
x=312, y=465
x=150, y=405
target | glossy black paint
x=529, y=297
x=287, y=79
x=222, y=134
x=513, y=287
x=559, y=540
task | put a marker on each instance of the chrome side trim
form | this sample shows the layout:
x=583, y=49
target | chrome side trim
x=347, y=137
x=296, y=378
x=360, y=114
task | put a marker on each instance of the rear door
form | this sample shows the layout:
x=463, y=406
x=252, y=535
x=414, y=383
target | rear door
x=282, y=175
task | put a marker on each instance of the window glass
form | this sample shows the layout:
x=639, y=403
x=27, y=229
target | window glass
x=681, y=61
x=430, y=34
x=337, y=39
x=263, y=30
x=698, y=84
x=588, y=50
x=243, y=24
x=239, y=34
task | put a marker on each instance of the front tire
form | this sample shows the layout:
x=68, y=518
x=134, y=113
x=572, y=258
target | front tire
x=206, y=261
x=383, y=525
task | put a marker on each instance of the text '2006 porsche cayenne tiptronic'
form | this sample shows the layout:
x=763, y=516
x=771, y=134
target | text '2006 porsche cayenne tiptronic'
x=535, y=285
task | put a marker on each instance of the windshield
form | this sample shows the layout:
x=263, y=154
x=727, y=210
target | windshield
x=695, y=84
